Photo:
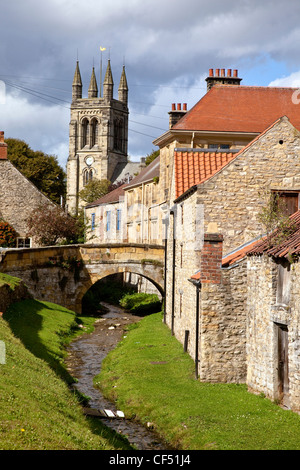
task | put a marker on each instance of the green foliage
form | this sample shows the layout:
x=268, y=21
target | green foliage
x=94, y=190
x=151, y=156
x=151, y=377
x=50, y=224
x=38, y=411
x=41, y=169
x=141, y=303
x=8, y=235
x=274, y=218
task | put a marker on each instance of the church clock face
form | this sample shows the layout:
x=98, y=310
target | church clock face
x=89, y=161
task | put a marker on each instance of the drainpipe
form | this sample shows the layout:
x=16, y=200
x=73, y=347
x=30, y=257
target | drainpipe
x=197, y=284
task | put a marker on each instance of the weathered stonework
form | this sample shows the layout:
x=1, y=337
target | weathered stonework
x=231, y=201
x=233, y=197
x=63, y=274
x=18, y=198
x=264, y=317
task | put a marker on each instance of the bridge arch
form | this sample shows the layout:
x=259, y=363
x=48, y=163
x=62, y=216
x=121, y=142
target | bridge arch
x=52, y=273
x=104, y=271
x=102, y=290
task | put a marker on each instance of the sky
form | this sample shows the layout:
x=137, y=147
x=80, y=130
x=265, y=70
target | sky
x=167, y=48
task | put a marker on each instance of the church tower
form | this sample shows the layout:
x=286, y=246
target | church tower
x=98, y=134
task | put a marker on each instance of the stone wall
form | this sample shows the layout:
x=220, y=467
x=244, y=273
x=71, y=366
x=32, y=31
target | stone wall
x=233, y=197
x=63, y=274
x=263, y=317
x=18, y=197
x=223, y=327
x=215, y=335
x=9, y=294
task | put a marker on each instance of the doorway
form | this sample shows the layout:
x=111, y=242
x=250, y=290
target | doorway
x=283, y=369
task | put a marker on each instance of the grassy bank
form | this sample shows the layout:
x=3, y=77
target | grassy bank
x=37, y=409
x=151, y=377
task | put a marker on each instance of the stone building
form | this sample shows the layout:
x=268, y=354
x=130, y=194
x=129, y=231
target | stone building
x=218, y=163
x=18, y=197
x=98, y=135
x=273, y=317
x=130, y=213
x=228, y=202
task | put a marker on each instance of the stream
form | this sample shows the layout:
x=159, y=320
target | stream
x=85, y=355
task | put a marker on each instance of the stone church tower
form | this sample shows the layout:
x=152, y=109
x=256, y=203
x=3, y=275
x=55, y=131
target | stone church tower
x=98, y=134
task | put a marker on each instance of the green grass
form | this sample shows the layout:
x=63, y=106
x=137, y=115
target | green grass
x=38, y=411
x=10, y=280
x=152, y=378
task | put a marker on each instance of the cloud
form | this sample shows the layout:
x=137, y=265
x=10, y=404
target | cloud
x=292, y=81
x=42, y=127
x=167, y=47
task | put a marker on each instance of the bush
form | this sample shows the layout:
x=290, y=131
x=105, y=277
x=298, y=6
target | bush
x=141, y=303
x=8, y=235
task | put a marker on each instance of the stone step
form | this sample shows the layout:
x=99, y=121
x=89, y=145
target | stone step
x=103, y=413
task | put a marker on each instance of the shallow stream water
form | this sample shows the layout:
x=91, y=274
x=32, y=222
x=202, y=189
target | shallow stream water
x=85, y=356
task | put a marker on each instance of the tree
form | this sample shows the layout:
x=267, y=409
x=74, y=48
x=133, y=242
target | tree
x=151, y=156
x=41, y=169
x=50, y=224
x=94, y=190
x=8, y=235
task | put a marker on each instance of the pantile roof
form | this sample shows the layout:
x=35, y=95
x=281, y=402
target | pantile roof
x=273, y=246
x=231, y=108
x=193, y=167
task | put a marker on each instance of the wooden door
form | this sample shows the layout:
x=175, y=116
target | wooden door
x=290, y=201
x=283, y=370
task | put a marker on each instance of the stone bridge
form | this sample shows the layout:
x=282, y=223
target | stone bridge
x=63, y=274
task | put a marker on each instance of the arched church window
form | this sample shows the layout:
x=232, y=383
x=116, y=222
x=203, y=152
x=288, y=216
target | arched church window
x=94, y=132
x=87, y=176
x=119, y=135
x=85, y=132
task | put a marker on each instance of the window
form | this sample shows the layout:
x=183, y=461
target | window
x=108, y=215
x=119, y=213
x=283, y=283
x=94, y=132
x=23, y=242
x=85, y=132
x=119, y=135
x=219, y=146
x=93, y=221
x=87, y=176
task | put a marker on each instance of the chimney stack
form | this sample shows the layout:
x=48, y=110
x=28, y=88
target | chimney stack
x=176, y=113
x=219, y=77
x=3, y=147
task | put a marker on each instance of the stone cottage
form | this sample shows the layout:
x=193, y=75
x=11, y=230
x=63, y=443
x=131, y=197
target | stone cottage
x=273, y=317
x=219, y=162
x=205, y=305
x=18, y=197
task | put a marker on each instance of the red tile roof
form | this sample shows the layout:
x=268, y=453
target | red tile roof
x=194, y=167
x=230, y=108
x=272, y=247
x=238, y=254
